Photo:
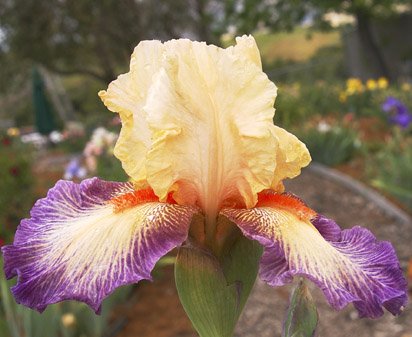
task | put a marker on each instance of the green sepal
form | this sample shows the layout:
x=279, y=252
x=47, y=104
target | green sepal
x=214, y=290
x=302, y=315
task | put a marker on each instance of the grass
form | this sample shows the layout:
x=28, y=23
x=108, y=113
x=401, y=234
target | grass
x=299, y=45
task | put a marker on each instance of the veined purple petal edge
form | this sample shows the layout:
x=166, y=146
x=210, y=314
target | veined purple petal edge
x=357, y=267
x=378, y=257
x=40, y=284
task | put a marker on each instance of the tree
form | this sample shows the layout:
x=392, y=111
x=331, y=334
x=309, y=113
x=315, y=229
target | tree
x=364, y=12
x=245, y=16
x=96, y=38
x=87, y=37
x=216, y=18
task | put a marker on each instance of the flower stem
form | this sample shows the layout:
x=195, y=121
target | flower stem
x=210, y=229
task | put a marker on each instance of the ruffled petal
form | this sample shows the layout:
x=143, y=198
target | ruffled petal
x=198, y=121
x=291, y=156
x=85, y=240
x=246, y=47
x=127, y=95
x=349, y=265
x=210, y=111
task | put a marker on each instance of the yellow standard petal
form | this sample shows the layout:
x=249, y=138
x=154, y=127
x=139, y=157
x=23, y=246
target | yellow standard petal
x=198, y=121
x=210, y=111
x=291, y=156
x=127, y=95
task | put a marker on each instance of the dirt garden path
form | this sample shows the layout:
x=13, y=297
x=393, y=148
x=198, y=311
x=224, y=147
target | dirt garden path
x=157, y=312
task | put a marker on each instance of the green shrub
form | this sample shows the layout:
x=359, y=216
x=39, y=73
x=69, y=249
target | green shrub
x=71, y=145
x=110, y=168
x=16, y=184
x=289, y=109
x=391, y=168
x=332, y=147
x=298, y=102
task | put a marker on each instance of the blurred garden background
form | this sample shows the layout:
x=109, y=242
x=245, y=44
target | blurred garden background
x=343, y=70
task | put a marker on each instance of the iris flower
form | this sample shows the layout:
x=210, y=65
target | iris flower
x=74, y=170
x=197, y=139
x=397, y=112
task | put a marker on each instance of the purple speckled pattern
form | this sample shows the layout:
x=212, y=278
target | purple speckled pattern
x=75, y=247
x=347, y=265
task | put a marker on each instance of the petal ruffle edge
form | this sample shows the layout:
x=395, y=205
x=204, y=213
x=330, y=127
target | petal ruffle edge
x=349, y=265
x=77, y=245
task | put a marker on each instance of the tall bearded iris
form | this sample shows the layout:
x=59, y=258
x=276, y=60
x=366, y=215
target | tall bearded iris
x=197, y=140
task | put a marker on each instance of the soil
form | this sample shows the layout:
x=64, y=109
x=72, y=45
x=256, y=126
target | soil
x=158, y=313
x=48, y=168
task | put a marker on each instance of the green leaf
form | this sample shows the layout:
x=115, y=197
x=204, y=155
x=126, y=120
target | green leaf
x=214, y=291
x=241, y=265
x=6, y=301
x=302, y=316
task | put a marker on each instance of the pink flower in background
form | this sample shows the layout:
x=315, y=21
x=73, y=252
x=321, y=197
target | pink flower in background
x=101, y=141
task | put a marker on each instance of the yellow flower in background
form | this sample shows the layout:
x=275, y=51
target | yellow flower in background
x=68, y=320
x=371, y=84
x=383, y=82
x=13, y=132
x=343, y=97
x=405, y=86
x=354, y=86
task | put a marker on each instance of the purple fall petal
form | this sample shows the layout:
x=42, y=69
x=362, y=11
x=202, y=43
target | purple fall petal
x=349, y=265
x=390, y=104
x=76, y=246
x=403, y=120
x=397, y=112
